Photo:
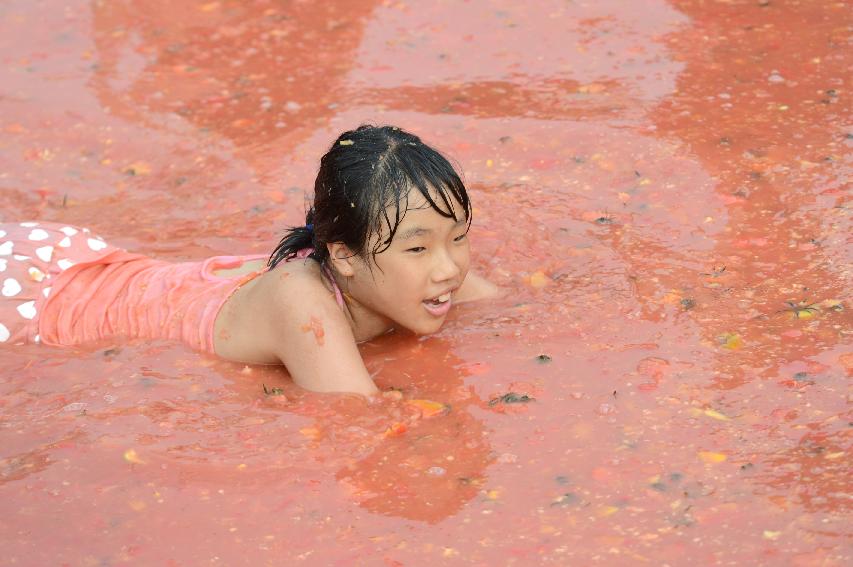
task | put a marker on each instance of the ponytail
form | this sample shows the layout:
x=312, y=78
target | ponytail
x=296, y=238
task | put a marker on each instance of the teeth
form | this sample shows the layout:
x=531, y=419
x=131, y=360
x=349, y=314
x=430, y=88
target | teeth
x=440, y=299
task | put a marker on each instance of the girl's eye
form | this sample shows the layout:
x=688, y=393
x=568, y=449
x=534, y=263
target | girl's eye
x=416, y=249
x=461, y=237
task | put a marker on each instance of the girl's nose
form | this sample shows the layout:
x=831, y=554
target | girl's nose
x=446, y=268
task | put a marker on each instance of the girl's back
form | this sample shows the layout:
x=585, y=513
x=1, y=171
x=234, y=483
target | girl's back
x=63, y=286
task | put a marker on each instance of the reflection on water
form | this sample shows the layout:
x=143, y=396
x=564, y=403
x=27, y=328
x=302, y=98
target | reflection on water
x=659, y=186
x=256, y=73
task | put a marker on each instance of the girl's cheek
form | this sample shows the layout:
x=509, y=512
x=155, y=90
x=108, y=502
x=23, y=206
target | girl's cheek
x=464, y=260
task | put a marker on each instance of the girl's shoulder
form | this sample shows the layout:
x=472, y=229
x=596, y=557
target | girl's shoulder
x=276, y=303
x=300, y=289
x=305, y=328
x=288, y=281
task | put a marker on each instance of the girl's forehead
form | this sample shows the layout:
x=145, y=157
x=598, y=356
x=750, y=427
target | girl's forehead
x=415, y=201
x=415, y=211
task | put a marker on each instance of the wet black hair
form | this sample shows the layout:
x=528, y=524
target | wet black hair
x=364, y=182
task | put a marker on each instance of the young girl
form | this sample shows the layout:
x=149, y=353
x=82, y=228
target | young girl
x=384, y=246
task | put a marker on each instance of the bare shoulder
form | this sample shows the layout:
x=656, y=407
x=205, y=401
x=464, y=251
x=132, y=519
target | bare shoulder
x=249, y=321
x=310, y=333
x=295, y=276
x=476, y=287
x=295, y=291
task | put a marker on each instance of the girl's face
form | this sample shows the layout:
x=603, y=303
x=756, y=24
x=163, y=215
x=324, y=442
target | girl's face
x=412, y=283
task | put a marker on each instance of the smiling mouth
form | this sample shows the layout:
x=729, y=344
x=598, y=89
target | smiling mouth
x=439, y=300
x=438, y=306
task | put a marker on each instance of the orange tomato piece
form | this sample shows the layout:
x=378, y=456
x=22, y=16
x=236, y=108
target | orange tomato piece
x=429, y=408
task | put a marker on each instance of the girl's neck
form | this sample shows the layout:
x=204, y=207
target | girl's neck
x=365, y=323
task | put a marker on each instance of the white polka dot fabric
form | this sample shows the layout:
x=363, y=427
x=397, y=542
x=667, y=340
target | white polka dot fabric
x=33, y=255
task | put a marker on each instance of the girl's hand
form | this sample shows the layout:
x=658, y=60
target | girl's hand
x=395, y=395
x=475, y=287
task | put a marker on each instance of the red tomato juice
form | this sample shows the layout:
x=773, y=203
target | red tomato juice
x=662, y=187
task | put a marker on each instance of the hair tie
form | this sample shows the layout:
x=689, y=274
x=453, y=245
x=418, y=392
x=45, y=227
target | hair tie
x=310, y=227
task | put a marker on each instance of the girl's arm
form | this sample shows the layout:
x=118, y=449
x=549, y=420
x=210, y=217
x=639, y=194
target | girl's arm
x=475, y=287
x=312, y=338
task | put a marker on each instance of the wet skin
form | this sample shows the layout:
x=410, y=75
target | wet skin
x=411, y=286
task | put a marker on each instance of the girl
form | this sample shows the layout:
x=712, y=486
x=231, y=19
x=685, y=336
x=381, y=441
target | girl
x=384, y=246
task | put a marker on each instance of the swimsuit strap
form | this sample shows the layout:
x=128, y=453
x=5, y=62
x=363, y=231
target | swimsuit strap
x=339, y=297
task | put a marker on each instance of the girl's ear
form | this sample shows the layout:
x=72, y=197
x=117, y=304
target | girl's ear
x=341, y=258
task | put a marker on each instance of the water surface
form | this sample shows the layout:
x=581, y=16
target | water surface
x=662, y=186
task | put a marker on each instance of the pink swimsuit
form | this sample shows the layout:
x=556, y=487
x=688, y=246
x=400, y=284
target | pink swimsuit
x=62, y=285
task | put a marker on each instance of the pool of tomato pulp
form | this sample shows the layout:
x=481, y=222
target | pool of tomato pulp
x=660, y=186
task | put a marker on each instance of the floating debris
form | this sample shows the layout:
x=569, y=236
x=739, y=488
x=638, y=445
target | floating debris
x=567, y=499
x=275, y=391
x=131, y=457
x=430, y=408
x=137, y=168
x=511, y=398
x=731, y=341
x=801, y=310
x=712, y=457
